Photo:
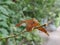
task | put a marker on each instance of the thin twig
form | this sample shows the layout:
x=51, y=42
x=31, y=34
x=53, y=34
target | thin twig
x=14, y=36
x=44, y=24
x=11, y=36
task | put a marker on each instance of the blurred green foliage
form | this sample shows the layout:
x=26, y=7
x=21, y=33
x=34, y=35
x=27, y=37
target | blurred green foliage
x=13, y=11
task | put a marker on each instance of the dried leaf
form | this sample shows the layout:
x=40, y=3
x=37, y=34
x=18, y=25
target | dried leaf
x=29, y=24
x=29, y=28
x=32, y=23
x=20, y=23
x=43, y=30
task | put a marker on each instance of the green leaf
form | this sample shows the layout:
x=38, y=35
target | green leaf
x=4, y=32
x=3, y=10
x=3, y=24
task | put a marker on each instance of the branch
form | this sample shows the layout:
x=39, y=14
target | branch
x=14, y=36
x=8, y=37
x=44, y=24
x=11, y=36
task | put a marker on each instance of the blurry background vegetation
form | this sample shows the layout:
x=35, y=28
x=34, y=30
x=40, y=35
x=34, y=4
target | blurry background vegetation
x=13, y=11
